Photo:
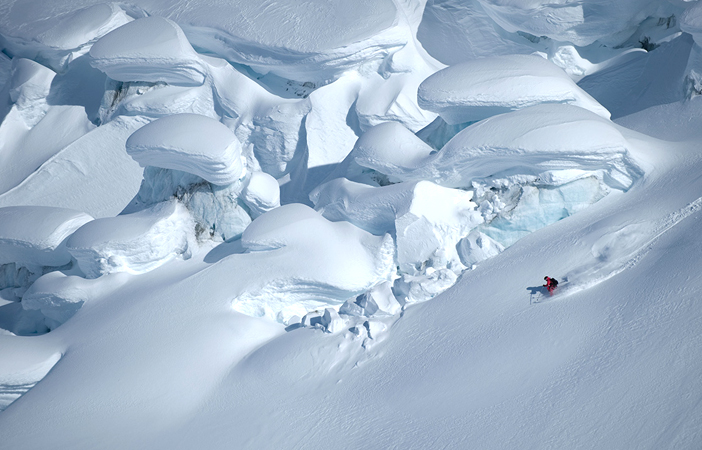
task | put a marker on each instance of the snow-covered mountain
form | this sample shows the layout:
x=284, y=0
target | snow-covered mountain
x=326, y=224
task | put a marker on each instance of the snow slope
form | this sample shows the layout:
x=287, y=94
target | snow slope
x=307, y=258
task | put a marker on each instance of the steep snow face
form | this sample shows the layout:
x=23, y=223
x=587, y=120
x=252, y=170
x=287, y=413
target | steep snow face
x=485, y=87
x=149, y=49
x=190, y=143
x=34, y=235
x=34, y=130
x=581, y=23
x=133, y=243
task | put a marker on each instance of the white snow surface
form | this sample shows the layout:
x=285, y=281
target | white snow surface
x=133, y=243
x=408, y=310
x=190, y=143
x=478, y=89
x=35, y=235
x=149, y=49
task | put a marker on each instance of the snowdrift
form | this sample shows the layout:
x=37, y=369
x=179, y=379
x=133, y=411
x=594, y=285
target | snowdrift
x=149, y=49
x=485, y=87
x=133, y=243
x=190, y=143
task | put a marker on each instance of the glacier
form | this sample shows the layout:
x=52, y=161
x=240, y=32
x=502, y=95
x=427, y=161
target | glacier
x=264, y=224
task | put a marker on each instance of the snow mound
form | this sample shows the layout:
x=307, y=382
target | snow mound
x=262, y=193
x=386, y=148
x=312, y=41
x=34, y=235
x=341, y=262
x=149, y=49
x=529, y=142
x=58, y=40
x=190, y=143
x=133, y=243
x=58, y=296
x=478, y=89
x=427, y=220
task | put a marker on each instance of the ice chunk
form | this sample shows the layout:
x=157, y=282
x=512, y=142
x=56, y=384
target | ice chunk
x=478, y=89
x=133, y=243
x=428, y=220
x=476, y=247
x=190, y=143
x=376, y=301
x=429, y=230
x=539, y=206
x=148, y=49
x=34, y=235
x=424, y=286
x=59, y=296
x=331, y=321
x=262, y=193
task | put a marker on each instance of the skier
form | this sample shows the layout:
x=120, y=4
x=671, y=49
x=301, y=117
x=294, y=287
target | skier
x=551, y=284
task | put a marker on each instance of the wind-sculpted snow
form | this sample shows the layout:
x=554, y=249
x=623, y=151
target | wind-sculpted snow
x=342, y=261
x=56, y=40
x=485, y=87
x=190, y=143
x=133, y=243
x=532, y=141
x=58, y=296
x=262, y=194
x=34, y=235
x=149, y=49
x=309, y=41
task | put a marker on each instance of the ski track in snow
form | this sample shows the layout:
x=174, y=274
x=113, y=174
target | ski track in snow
x=612, y=269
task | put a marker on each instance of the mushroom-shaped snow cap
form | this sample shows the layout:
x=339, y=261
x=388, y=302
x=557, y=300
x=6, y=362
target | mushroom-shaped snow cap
x=190, y=143
x=149, y=49
x=478, y=89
